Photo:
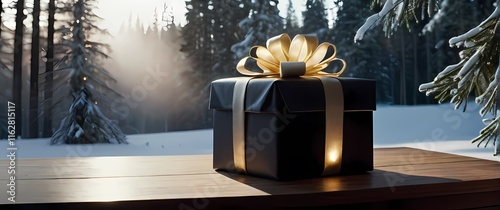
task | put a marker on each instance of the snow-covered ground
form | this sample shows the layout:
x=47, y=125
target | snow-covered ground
x=430, y=127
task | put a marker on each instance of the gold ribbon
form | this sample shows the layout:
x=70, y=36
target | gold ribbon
x=280, y=51
x=285, y=58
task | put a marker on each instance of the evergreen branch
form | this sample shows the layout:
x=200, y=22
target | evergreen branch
x=478, y=71
x=474, y=35
x=490, y=132
x=103, y=85
x=489, y=106
x=97, y=52
x=396, y=12
x=103, y=71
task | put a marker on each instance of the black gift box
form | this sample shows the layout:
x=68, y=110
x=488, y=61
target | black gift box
x=285, y=126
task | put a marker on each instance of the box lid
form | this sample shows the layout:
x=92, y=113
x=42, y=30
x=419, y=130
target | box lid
x=302, y=94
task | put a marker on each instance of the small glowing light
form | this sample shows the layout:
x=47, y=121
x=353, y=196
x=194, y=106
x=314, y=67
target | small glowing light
x=95, y=102
x=333, y=156
x=84, y=78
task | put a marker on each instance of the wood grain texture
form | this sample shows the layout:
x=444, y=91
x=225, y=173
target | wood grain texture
x=403, y=177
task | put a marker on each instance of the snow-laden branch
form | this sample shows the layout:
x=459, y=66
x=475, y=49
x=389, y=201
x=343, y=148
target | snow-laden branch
x=447, y=70
x=468, y=65
x=459, y=40
x=370, y=21
x=493, y=84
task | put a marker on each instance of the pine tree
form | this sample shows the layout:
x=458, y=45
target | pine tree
x=478, y=70
x=370, y=59
x=173, y=57
x=199, y=48
x=49, y=69
x=5, y=72
x=198, y=34
x=168, y=17
x=18, y=66
x=1, y=13
x=291, y=21
x=5, y=76
x=2, y=41
x=139, y=26
x=228, y=13
x=35, y=53
x=87, y=81
x=315, y=19
x=263, y=23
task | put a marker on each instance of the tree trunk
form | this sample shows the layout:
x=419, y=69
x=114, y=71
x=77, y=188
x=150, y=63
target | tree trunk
x=1, y=20
x=35, y=46
x=415, y=67
x=18, y=65
x=429, y=66
x=402, y=76
x=49, y=68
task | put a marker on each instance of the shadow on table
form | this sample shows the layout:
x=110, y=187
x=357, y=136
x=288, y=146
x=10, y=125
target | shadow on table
x=370, y=190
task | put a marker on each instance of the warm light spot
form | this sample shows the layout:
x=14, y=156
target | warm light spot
x=95, y=102
x=333, y=156
x=84, y=78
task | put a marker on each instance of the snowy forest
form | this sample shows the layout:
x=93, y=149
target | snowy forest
x=57, y=64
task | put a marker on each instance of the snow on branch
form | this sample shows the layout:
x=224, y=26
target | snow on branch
x=448, y=69
x=370, y=21
x=468, y=65
x=489, y=90
x=459, y=40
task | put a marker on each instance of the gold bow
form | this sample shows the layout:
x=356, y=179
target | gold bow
x=300, y=57
x=281, y=51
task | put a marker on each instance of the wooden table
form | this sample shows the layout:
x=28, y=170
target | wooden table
x=404, y=178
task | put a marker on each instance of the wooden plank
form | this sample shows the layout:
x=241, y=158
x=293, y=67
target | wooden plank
x=186, y=180
x=464, y=171
x=338, y=190
x=473, y=200
x=410, y=156
x=94, y=167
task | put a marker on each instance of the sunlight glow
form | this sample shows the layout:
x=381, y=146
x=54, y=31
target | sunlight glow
x=119, y=13
x=100, y=189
